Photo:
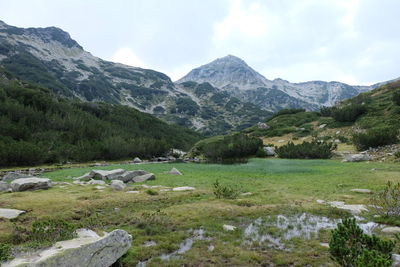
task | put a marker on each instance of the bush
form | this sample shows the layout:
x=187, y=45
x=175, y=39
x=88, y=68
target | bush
x=151, y=192
x=387, y=201
x=231, y=147
x=5, y=250
x=261, y=153
x=327, y=111
x=225, y=191
x=375, y=137
x=349, y=246
x=396, y=97
x=348, y=113
x=306, y=150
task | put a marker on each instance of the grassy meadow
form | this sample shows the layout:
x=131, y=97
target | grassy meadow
x=278, y=186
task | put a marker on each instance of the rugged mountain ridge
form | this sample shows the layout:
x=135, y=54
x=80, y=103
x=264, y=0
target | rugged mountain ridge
x=51, y=58
x=233, y=75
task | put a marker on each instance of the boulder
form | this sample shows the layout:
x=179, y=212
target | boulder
x=4, y=187
x=269, y=150
x=143, y=178
x=117, y=185
x=129, y=175
x=11, y=176
x=391, y=230
x=322, y=126
x=88, y=250
x=99, y=187
x=362, y=191
x=98, y=182
x=353, y=209
x=357, y=157
x=106, y=175
x=10, y=213
x=137, y=160
x=395, y=260
x=183, y=188
x=86, y=177
x=33, y=183
x=262, y=125
x=175, y=171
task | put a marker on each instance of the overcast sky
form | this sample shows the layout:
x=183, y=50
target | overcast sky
x=352, y=41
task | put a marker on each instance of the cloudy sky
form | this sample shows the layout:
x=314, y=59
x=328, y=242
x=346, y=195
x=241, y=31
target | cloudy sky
x=353, y=41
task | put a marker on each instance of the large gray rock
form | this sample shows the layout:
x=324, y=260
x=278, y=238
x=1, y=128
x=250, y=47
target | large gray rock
x=175, y=171
x=11, y=176
x=87, y=250
x=4, y=187
x=395, y=260
x=269, y=150
x=97, y=182
x=10, y=213
x=357, y=157
x=106, y=175
x=86, y=177
x=33, y=183
x=117, y=185
x=137, y=160
x=129, y=175
x=143, y=178
x=354, y=209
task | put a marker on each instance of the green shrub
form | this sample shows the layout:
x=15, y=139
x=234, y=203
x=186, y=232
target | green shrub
x=348, y=113
x=387, y=201
x=151, y=192
x=261, y=153
x=375, y=137
x=5, y=250
x=231, y=147
x=349, y=246
x=396, y=97
x=225, y=191
x=397, y=155
x=327, y=111
x=306, y=150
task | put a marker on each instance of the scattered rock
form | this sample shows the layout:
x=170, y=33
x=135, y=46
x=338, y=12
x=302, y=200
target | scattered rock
x=96, y=182
x=322, y=244
x=106, y=175
x=117, y=185
x=246, y=194
x=143, y=178
x=320, y=201
x=165, y=190
x=210, y=248
x=100, y=187
x=362, y=191
x=322, y=126
x=175, y=171
x=4, y=187
x=137, y=160
x=281, y=141
x=150, y=243
x=79, y=182
x=86, y=177
x=269, y=150
x=353, y=209
x=86, y=250
x=34, y=183
x=391, y=230
x=395, y=260
x=228, y=227
x=357, y=157
x=83, y=232
x=183, y=188
x=133, y=192
x=10, y=213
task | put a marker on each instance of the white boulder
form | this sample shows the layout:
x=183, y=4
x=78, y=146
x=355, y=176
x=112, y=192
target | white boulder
x=175, y=171
x=10, y=213
x=183, y=188
x=117, y=185
x=228, y=227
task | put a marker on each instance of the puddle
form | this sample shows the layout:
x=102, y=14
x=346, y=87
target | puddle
x=184, y=247
x=274, y=231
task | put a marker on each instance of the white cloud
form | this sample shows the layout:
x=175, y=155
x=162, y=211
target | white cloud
x=126, y=56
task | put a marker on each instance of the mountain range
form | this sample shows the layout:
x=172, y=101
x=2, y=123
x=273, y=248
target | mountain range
x=223, y=96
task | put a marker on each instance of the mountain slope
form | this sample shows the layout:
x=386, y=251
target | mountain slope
x=36, y=126
x=235, y=76
x=50, y=58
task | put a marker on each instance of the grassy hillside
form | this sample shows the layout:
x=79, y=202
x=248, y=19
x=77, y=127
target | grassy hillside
x=38, y=127
x=367, y=113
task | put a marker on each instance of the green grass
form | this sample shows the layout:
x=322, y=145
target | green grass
x=277, y=186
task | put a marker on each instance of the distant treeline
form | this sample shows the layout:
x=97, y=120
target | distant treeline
x=38, y=127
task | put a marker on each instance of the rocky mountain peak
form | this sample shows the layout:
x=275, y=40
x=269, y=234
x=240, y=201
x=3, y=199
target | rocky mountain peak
x=229, y=72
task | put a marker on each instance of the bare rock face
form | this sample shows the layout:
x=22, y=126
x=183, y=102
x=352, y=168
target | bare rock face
x=87, y=250
x=32, y=183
